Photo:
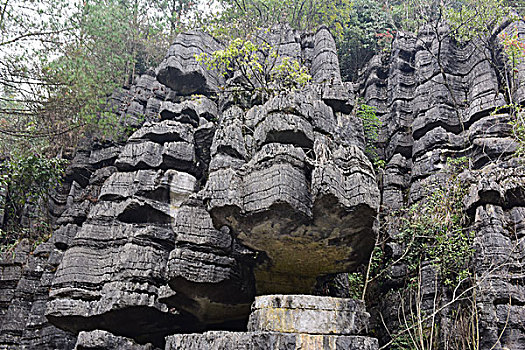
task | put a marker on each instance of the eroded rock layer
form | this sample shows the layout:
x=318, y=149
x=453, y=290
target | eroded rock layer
x=147, y=245
x=440, y=101
x=287, y=188
x=281, y=322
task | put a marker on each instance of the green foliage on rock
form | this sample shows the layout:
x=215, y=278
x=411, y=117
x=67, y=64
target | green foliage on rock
x=239, y=18
x=26, y=179
x=434, y=230
x=59, y=63
x=518, y=131
x=360, y=27
x=356, y=283
x=371, y=126
x=433, y=235
x=258, y=65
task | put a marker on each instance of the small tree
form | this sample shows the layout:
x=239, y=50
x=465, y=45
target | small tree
x=256, y=67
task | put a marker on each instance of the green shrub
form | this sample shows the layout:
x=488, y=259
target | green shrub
x=371, y=126
x=26, y=179
x=260, y=66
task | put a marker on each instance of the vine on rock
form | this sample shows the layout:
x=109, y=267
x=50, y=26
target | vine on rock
x=434, y=249
x=371, y=127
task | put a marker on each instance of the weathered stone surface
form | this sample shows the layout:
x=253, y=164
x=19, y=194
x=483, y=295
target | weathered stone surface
x=165, y=131
x=111, y=274
x=104, y=156
x=10, y=273
x=180, y=70
x=151, y=155
x=23, y=323
x=140, y=155
x=322, y=192
x=268, y=341
x=212, y=201
x=189, y=111
x=98, y=339
x=209, y=271
x=438, y=100
x=325, y=63
x=307, y=314
x=499, y=262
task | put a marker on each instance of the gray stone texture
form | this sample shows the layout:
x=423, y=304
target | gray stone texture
x=280, y=163
x=210, y=203
x=98, y=339
x=308, y=314
x=438, y=100
x=181, y=72
x=268, y=341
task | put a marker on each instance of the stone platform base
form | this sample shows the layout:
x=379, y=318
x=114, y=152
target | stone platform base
x=268, y=341
x=308, y=314
x=290, y=322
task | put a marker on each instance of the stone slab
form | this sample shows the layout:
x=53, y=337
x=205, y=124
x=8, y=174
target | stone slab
x=308, y=314
x=268, y=341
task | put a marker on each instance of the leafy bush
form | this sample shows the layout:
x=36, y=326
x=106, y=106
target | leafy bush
x=360, y=27
x=433, y=230
x=518, y=131
x=259, y=65
x=366, y=29
x=26, y=180
x=236, y=19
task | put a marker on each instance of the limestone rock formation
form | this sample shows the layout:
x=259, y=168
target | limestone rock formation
x=165, y=240
x=147, y=250
x=181, y=73
x=289, y=190
x=439, y=101
x=308, y=314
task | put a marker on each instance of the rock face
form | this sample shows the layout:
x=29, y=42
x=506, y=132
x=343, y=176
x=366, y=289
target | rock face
x=498, y=200
x=268, y=341
x=308, y=314
x=214, y=201
x=147, y=245
x=180, y=71
x=439, y=101
x=288, y=189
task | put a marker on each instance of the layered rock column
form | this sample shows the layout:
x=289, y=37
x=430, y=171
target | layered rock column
x=207, y=204
x=438, y=100
x=142, y=233
x=287, y=188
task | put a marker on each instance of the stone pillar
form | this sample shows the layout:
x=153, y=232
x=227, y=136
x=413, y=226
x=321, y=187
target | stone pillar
x=289, y=322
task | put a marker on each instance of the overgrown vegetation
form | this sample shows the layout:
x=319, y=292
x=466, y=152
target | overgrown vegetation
x=518, y=131
x=514, y=56
x=361, y=27
x=435, y=251
x=256, y=67
x=26, y=179
x=371, y=126
x=57, y=72
x=59, y=62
